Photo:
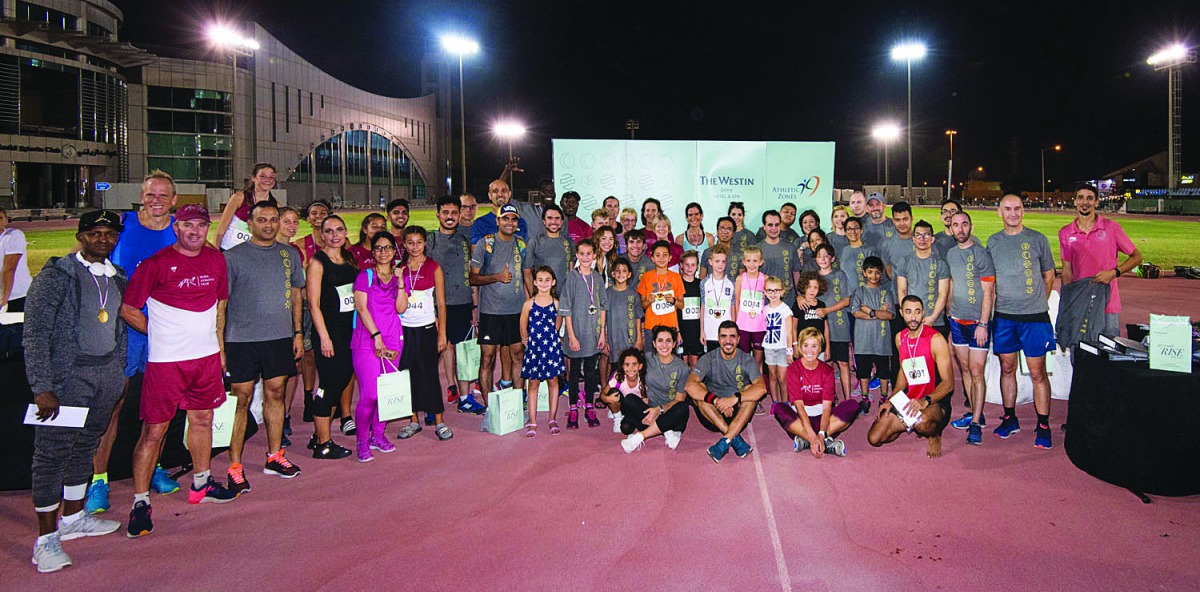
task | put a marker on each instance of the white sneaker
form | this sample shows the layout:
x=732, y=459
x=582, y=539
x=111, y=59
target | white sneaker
x=617, y=418
x=672, y=438
x=49, y=556
x=632, y=442
x=87, y=526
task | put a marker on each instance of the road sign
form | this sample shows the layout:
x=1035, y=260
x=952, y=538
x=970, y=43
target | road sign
x=103, y=186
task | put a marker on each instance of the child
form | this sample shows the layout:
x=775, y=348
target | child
x=838, y=320
x=777, y=341
x=717, y=304
x=690, y=346
x=639, y=264
x=809, y=310
x=584, y=307
x=624, y=313
x=543, y=351
x=873, y=306
x=661, y=290
x=662, y=232
x=600, y=219
x=628, y=379
x=748, y=303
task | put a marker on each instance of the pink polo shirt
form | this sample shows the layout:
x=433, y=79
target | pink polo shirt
x=1090, y=253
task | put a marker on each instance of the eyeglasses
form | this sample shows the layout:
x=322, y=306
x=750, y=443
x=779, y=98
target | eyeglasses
x=773, y=290
x=949, y=211
x=383, y=248
x=922, y=235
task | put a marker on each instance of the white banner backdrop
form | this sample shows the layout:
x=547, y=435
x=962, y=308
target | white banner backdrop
x=761, y=175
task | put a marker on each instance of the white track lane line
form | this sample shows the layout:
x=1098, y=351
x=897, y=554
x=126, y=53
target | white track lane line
x=785, y=580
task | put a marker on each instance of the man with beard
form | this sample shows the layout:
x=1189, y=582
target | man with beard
x=972, y=295
x=1089, y=247
x=577, y=229
x=452, y=250
x=877, y=227
x=486, y=224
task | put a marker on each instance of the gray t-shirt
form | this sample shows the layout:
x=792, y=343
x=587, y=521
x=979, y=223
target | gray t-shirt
x=743, y=238
x=260, y=291
x=583, y=299
x=726, y=378
x=780, y=260
x=733, y=262
x=96, y=338
x=967, y=268
x=553, y=252
x=664, y=380
x=875, y=234
x=499, y=298
x=872, y=336
x=838, y=288
x=893, y=250
x=453, y=253
x=943, y=242
x=851, y=260
x=532, y=215
x=788, y=234
x=923, y=276
x=624, y=311
x=640, y=267
x=1020, y=261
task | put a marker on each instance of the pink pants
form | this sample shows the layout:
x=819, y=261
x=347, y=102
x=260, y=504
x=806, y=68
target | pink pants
x=367, y=367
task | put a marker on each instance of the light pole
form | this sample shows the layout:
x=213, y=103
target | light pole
x=1172, y=59
x=908, y=53
x=950, y=169
x=509, y=131
x=1056, y=148
x=885, y=133
x=461, y=46
x=632, y=125
x=233, y=43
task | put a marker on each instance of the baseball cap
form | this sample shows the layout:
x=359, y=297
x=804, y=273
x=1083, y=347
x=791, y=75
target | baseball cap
x=875, y=195
x=97, y=218
x=507, y=209
x=192, y=211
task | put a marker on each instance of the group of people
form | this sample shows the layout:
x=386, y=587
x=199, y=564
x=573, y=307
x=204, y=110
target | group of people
x=647, y=324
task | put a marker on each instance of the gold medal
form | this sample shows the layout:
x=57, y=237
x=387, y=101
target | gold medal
x=102, y=316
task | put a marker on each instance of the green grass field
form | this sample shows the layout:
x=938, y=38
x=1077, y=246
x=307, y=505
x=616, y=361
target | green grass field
x=1164, y=242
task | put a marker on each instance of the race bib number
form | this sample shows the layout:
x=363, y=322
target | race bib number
x=660, y=306
x=345, y=298
x=238, y=233
x=419, y=299
x=752, y=302
x=691, y=308
x=915, y=370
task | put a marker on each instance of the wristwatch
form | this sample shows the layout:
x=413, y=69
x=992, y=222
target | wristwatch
x=872, y=314
x=1118, y=271
x=928, y=400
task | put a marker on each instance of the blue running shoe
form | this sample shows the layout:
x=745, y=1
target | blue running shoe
x=741, y=447
x=719, y=450
x=963, y=422
x=140, y=523
x=1041, y=437
x=504, y=384
x=874, y=384
x=1008, y=427
x=162, y=483
x=975, y=434
x=97, y=498
x=470, y=405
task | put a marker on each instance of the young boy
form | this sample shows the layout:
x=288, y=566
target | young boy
x=639, y=264
x=583, y=304
x=690, y=345
x=837, y=298
x=873, y=306
x=661, y=290
x=777, y=340
x=717, y=304
x=600, y=218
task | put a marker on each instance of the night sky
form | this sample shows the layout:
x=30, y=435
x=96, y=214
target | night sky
x=1003, y=75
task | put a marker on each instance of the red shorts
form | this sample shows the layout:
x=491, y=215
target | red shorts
x=191, y=385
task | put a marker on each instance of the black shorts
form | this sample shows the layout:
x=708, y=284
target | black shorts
x=840, y=351
x=694, y=348
x=499, y=329
x=250, y=361
x=863, y=363
x=458, y=322
x=708, y=425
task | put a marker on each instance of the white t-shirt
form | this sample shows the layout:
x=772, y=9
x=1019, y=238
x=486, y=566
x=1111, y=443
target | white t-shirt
x=777, y=318
x=12, y=242
x=717, y=296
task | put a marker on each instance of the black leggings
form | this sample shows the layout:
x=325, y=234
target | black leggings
x=588, y=370
x=634, y=409
x=335, y=374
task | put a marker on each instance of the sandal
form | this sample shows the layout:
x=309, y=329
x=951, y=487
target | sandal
x=409, y=431
x=443, y=432
x=554, y=428
x=530, y=430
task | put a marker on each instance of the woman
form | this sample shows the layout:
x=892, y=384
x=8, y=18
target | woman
x=661, y=225
x=234, y=227
x=424, y=333
x=606, y=245
x=837, y=238
x=809, y=221
x=377, y=342
x=371, y=225
x=662, y=408
x=694, y=238
x=14, y=267
x=811, y=418
x=628, y=221
x=289, y=225
x=330, y=286
x=316, y=213
x=742, y=237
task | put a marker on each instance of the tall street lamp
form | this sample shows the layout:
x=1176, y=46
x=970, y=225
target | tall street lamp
x=908, y=53
x=233, y=43
x=509, y=131
x=950, y=170
x=885, y=133
x=1056, y=148
x=461, y=46
x=1172, y=59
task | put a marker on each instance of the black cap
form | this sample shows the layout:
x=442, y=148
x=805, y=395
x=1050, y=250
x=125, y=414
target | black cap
x=97, y=218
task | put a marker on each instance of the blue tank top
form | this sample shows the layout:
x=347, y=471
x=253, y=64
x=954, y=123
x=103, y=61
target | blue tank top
x=138, y=243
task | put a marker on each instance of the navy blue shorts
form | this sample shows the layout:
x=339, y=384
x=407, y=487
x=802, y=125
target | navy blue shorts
x=962, y=333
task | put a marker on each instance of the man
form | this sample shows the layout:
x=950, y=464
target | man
x=895, y=249
x=733, y=263
x=75, y=353
x=635, y=246
x=787, y=217
x=851, y=257
x=878, y=228
x=259, y=332
x=1024, y=279
x=452, y=250
x=498, y=262
x=613, y=205
x=551, y=248
x=577, y=229
x=945, y=240
x=972, y=295
x=925, y=275
x=466, y=214
x=780, y=258
x=397, y=213
x=1089, y=247
x=858, y=204
x=926, y=379
x=486, y=224
x=181, y=285
x=725, y=386
x=531, y=211
x=143, y=233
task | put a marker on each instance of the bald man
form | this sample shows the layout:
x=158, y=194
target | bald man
x=484, y=225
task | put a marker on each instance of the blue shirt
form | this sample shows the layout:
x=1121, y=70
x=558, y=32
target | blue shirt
x=486, y=224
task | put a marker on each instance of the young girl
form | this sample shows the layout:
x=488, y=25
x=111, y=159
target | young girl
x=584, y=304
x=624, y=315
x=809, y=310
x=690, y=345
x=424, y=333
x=606, y=253
x=543, y=355
x=371, y=225
x=749, y=292
x=813, y=239
x=839, y=287
x=777, y=340
x=694, y=238
x=717, y=304
x=628, y=380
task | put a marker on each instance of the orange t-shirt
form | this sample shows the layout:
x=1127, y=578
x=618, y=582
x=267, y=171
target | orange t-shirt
x=660, y=312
